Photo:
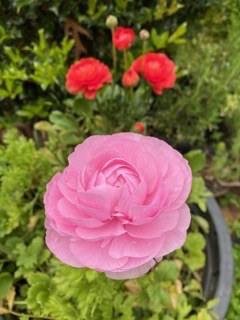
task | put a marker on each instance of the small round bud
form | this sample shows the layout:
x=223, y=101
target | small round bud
x=144, y=34
x=111, y=22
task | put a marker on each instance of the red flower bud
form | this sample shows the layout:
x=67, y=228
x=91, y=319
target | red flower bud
x=130, y=78
x=139, y=127
x=123, y=38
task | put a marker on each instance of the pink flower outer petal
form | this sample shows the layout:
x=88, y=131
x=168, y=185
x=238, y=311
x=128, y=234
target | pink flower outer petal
x=132, y=273
x=163, y=222
x=59, y=246
x=127, y=246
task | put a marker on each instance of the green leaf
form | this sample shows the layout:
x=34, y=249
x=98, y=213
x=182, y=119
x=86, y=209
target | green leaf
x=195, y=257
x=195, y=242
x=65, y=122
x=181, y=30
x=201, y=222
x=13, y=56
x=196, y=159
x=199, y=193
x=43, y=126
x=91, y=7
x=37, y=295
x=122, y=4
x=204, y=315
x=212, y=303
x=166, y=271
x=158, y=296
x=167, y=317
x=6, y=282
x=69, y=138
x=83, y=107
x=159, y=41
x=3, y=35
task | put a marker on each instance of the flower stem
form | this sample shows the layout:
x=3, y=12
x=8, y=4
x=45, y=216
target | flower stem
x=114, y=61
x=125, y=60
x=17, y=314
x=114, y=56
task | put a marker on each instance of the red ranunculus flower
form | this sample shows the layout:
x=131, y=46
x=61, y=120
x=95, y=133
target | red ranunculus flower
x=130, y=78
x=87, y=76
x=123, y=38
x=157, y=69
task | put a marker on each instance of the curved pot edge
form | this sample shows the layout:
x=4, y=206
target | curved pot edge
x=226, y=269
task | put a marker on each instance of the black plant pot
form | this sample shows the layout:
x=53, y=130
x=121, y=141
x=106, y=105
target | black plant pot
x=218, y=271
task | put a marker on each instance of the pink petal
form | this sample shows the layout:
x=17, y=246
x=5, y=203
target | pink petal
x=52, y=195
x=84, y=152
x=59, y=246
x=111, y=229
x=184, y=218
x=173, y=241
x=132, y=273
x=76, y=215
x=127, y=246
x=141, y=214
x=94, y=254
x=165, y=221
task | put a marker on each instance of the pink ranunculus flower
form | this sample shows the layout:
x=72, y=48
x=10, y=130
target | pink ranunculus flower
x=119, y=205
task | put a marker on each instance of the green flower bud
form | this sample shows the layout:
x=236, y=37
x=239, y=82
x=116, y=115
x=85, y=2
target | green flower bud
x=144, y=34
x=111, y=22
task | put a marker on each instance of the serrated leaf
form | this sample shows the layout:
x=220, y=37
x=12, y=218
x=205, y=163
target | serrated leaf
x=158, y=296
x=38, y=277
x=91, y=275
x=39, y=289
x=166, y=271
x=195, y=242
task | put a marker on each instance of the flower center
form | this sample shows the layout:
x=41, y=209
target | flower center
x=118, y=173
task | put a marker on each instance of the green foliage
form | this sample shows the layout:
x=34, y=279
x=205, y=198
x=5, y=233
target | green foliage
x=23, y=174
x=199, y=193
x=49, y=61
x=234, y=308
x=44, y=67
x=196, y=159
x=29, y=257
x=192, y=252
x=6, y=281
